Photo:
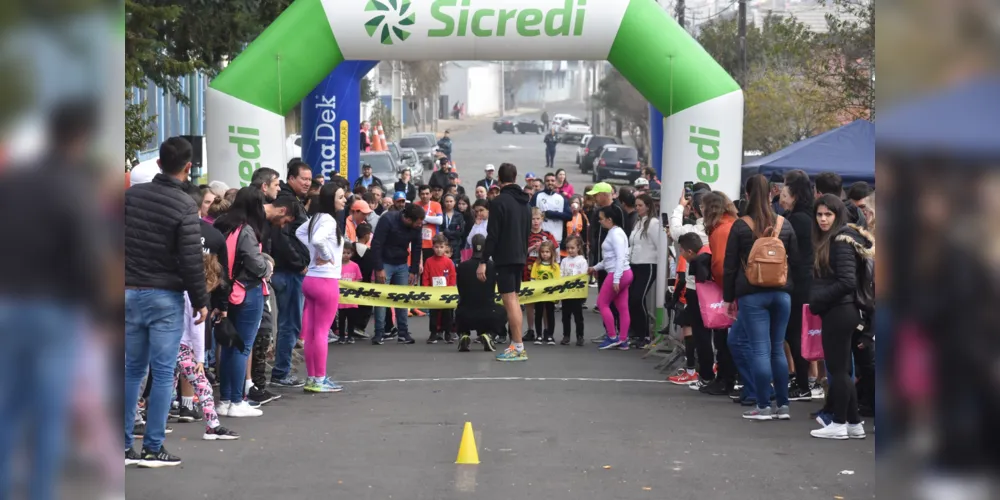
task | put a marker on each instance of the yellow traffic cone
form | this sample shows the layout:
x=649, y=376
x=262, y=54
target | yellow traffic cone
x=467, y=452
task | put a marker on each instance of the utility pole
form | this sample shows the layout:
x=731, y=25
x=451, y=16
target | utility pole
x=743, y=42
x=397, y=95
x=503, y=89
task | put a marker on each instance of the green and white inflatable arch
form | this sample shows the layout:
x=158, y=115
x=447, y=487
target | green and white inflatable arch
x=701, y=103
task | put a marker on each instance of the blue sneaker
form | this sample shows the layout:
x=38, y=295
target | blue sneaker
x=609, y=343
x=328, y=385
x=290, y=381
x=623, y=346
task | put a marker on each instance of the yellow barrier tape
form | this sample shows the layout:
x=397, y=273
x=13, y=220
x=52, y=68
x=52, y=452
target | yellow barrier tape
x=446, y=297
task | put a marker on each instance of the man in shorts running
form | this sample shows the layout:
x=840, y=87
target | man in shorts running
x=510, y=223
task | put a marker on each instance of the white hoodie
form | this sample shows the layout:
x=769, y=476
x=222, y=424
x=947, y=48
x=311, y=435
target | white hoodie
x=678, y=228
x=324, y=245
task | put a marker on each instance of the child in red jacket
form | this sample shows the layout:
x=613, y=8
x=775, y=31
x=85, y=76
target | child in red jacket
x=439, y=270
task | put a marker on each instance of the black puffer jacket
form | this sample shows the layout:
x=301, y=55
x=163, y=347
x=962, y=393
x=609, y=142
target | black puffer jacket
x=831, y=289
x=802, y=222
x=163, y=240
x=289, y=254
x=741, y=239
x=508, y=227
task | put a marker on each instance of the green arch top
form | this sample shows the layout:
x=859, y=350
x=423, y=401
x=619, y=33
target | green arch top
x=665, y=64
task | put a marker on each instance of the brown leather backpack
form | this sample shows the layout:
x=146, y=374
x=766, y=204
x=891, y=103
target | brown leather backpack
x=767, y=264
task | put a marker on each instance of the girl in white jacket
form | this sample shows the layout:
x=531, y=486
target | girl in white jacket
x=644, y=243
x=321, y=286
x=615, y=288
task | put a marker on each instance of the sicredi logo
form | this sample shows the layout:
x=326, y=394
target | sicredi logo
x=247, y=141
x=707, y=141
x=461, y=19
x=390, y=16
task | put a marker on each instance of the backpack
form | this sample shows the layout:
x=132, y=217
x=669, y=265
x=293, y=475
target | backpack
x=767, y=264
x=864, y=297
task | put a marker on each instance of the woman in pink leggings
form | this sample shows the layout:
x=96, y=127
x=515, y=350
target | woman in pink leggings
x=321, y=286
x=614, y=290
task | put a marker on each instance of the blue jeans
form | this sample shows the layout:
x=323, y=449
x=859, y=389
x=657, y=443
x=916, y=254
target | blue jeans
x=288, y=288
x=739, y=347
x=154, y=324
x=233, y=367
x=36, y=364
x=395, y=274
x=764, y=317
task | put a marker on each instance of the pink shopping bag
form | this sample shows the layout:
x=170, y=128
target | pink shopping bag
x=713, y=309
x=812, y=335
x=465, y=254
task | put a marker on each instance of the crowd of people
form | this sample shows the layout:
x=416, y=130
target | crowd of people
x=261, y=268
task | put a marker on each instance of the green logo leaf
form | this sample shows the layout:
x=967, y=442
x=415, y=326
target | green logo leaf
x=380, y=24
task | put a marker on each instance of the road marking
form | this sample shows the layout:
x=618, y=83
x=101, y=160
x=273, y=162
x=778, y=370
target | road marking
x=503, y=379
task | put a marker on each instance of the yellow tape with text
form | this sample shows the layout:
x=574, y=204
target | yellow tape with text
x=446, y=297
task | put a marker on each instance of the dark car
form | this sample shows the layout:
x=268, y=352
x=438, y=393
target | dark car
x=591, y=150
x=383, y=166
x=505, y=124
x=424, y=146
x=617, y=163
x=525, y=125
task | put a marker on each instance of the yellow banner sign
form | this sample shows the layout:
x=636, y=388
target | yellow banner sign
x=446, y=297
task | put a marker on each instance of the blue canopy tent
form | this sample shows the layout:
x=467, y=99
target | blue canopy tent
x=849, y=151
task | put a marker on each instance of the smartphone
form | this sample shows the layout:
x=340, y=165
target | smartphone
x=688, y=189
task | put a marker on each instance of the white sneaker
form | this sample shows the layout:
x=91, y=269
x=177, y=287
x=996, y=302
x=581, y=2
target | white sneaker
x=242, y=409
x=856, y=431
x=222, y=409
x=832, y=431
x=818, y=392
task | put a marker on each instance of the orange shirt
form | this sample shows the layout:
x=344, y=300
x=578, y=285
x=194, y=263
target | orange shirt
x=682, y=267
x=433, y=208
x=717, y=241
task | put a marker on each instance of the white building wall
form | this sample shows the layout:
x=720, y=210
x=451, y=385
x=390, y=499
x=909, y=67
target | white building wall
x=483, y=95
x=456, y=84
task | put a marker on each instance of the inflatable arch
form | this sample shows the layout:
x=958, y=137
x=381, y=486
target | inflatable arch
x=701, y=104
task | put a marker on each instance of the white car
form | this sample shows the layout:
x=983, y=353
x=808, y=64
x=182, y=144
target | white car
x=581, y=147
x=573, y=130
x=558, y=120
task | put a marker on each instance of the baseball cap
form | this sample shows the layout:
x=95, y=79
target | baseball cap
x=601, y=187
x=361, y=206
x=400, y=195
x=641, y=181
x=494, y=188
x=478, y=243
x=490, y=167
x=530, y=175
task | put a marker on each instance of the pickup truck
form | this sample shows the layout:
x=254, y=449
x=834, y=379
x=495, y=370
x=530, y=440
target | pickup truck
x=573, y=130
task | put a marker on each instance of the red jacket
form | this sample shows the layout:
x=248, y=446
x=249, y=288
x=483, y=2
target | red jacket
x=718, y=239
x=439, y=267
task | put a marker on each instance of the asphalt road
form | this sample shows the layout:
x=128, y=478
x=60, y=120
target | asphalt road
x=571, y=423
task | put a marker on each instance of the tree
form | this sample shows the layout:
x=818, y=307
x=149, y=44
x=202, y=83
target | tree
x=777, y=41
x=423, y=81
x=165, y=40
x=849, y=52
x=627, y=106
x=783, y=106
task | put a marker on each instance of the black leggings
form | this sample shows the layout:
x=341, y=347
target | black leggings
x=549, y=310
x=793, y=335
x=839, y=325
x=643, y=280
x=572, y=309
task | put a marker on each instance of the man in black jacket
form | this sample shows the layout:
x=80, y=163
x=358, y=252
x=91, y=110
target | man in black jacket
x=396, y=238
x=291, y=259
x=163, y=259
x=510, y=222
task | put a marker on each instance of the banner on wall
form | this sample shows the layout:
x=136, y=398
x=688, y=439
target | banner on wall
x=331, y=121
x=446, y=297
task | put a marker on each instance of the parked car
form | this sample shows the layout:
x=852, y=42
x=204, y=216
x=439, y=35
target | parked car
x=383, y=166
x=580, y=147
x=558, y=119
x=573, y=130
x=525, y=125
x=505, y=124
x=394, y=151
x=617, y=163
x=591, y=149
x=409, y=158
x=425, y=147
